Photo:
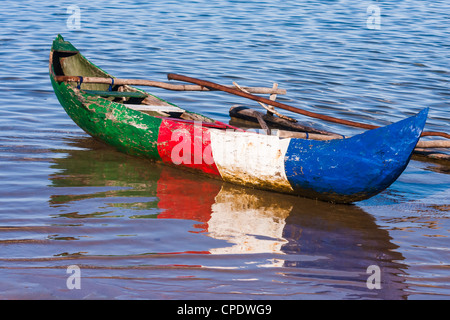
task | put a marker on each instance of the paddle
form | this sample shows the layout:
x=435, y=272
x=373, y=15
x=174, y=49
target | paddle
x=163, y=85
x=215, y=86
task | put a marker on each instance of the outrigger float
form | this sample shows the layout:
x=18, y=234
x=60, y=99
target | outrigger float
x=138, y=123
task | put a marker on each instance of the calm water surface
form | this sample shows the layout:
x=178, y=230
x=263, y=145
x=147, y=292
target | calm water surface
x=139, y=230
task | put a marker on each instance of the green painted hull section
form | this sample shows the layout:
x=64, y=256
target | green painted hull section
x=127, y=130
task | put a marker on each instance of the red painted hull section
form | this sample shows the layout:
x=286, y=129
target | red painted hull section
x=184, y=143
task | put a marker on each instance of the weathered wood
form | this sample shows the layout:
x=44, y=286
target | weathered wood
x=431, y=155
x=270, y=109
x=158, y=84
x=209, y=84
x=273, y=97
x=306, y=135
x=421, y=146
x=434, y=144
x=261, y=121
x=245, y=113
x=295, y=130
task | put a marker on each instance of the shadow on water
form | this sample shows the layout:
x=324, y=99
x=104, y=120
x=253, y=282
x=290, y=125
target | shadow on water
x=310, y=241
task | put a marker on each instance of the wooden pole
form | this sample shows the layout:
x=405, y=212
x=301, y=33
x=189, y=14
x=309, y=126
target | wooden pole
x=434, y=144
x=295, y=130
x=158, y=84
x=273, y=97
x=244, y=113
x=431, y=155
x=204, y=83
x=237, y=92
x=270, y=109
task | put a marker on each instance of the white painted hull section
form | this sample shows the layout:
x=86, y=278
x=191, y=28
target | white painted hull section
x=251, y=159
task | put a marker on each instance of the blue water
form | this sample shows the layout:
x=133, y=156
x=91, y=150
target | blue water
x=138, y=230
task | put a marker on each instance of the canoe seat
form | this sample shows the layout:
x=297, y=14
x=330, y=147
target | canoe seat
x=160, y=108
x=116, y=94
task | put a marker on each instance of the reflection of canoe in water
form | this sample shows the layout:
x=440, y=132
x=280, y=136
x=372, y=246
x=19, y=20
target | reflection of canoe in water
x=139, y=123
x=251, y=221
x=326, y=243
x=312, y=241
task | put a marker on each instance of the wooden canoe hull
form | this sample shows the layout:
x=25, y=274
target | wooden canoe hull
x=343, y=171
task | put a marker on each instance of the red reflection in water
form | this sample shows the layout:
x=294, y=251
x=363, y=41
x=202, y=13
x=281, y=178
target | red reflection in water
x=184, y=198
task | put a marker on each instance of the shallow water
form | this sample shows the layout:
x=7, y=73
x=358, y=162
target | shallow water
x=141, y=230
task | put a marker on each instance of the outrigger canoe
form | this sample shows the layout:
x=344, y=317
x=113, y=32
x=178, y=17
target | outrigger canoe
x=141, y=124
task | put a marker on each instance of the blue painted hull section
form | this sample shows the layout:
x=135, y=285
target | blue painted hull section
x=356, y=168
